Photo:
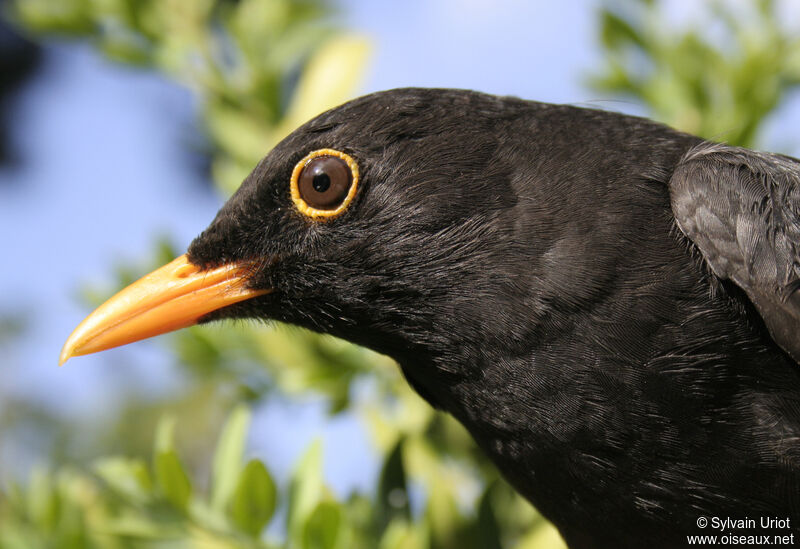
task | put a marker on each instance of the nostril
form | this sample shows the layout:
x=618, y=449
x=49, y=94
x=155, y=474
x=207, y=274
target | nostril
x=185, y=270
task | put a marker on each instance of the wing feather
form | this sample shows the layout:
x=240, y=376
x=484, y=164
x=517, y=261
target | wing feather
x=742, y=210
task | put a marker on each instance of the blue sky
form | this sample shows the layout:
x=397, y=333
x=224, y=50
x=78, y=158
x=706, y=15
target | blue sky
x=106, y=171
x=534, y=49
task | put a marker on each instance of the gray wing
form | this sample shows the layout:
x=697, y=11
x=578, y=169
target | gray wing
x=742, y=210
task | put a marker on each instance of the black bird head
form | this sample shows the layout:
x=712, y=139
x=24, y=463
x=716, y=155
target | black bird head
x=386, y=221
x=414, y=207
x=524, y=265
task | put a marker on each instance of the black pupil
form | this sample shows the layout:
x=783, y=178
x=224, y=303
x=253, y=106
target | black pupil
x=321, y=182
x=324, y=182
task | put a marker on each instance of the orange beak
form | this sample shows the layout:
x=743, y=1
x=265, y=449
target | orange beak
x=174, y=296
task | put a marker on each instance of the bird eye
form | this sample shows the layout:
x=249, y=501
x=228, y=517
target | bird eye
x=324, y=183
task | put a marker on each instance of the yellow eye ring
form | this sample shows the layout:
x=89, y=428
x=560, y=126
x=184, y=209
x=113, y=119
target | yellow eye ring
x=324, y=183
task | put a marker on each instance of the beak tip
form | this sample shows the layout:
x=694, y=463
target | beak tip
x=71, y=348
x=172, y=297
x=66, y=354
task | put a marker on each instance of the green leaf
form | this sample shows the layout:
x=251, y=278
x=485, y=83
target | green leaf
x=64, y=17
x=172, y=479
x=132, y=526
x=305, y=491
x=443, y=517
x=544, y=535
x=127, y=477
x=617, y=33
x=485, y=529
x=43, y=500
x=392, y=489
x=324, y=526
x=165, y=435
x=254, y=499
x=228, y=457
x=329, y=79
x=402, y=535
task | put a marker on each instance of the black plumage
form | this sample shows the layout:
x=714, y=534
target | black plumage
x=608, y=305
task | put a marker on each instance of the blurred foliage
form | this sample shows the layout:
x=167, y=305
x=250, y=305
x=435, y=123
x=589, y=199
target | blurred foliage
x=19, y=59
x=120, y=502
x=260, y=68
x=11, y=325
x=719, y=78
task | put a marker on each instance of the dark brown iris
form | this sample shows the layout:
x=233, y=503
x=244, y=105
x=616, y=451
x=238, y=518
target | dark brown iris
x=324, y=182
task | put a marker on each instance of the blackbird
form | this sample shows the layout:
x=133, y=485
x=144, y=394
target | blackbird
x=608, y=305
